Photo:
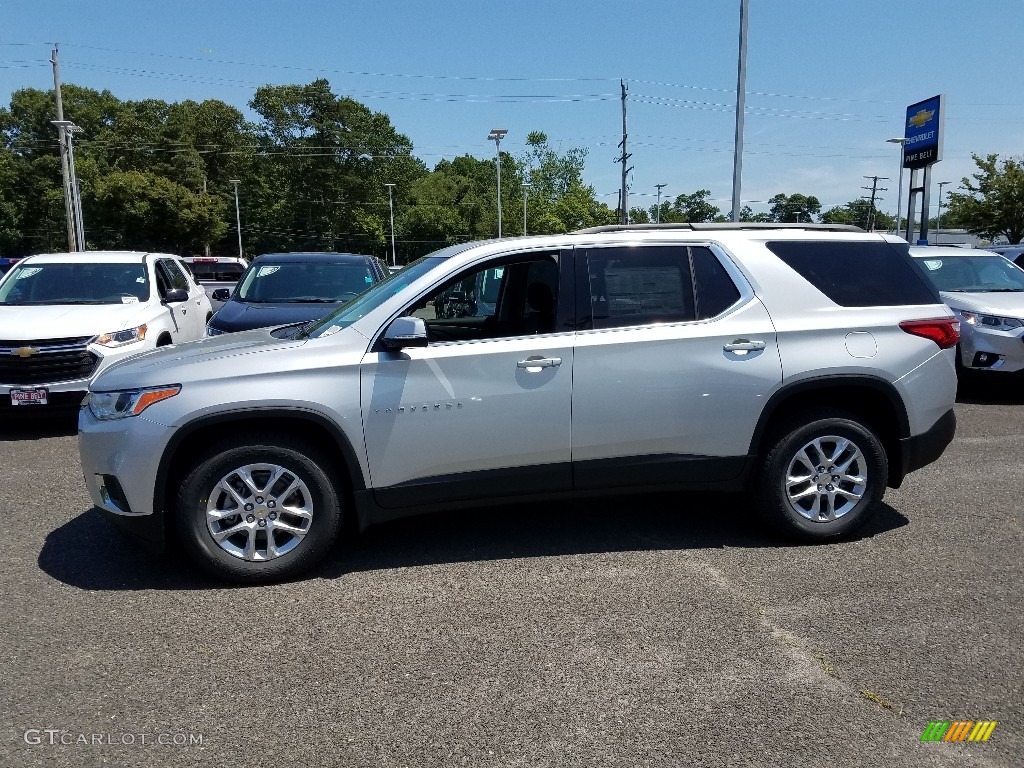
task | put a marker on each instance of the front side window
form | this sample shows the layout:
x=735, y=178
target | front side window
x=173, y=274
x=505, y=298
x=75, y=283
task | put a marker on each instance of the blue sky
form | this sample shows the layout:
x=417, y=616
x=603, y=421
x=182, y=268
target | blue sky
x=827, y=82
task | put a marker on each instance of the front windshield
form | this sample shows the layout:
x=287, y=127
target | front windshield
x=973, y=274
x=294, y=281
x=371, y=299
x=75, y=283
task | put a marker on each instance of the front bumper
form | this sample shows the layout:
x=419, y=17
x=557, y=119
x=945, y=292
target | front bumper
x=119, y=465
x=68, y=394
x=1004, y=349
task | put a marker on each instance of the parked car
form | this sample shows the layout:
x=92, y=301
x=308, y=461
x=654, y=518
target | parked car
x=808, y=366
x=289, y=288
x=1014, y=253
x=216, y=274
x=986, y=291
x=65, y=317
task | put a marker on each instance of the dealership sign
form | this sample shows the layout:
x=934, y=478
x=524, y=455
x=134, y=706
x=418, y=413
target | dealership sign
x=923, y=133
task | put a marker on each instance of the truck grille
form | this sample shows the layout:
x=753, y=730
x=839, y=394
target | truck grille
x=56, y=360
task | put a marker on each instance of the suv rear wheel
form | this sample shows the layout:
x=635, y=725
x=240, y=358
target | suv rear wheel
x=823, y=476
x=259, y=510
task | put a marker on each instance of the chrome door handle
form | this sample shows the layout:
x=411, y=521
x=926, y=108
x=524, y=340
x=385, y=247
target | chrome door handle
x=539, y=362
x=743, y=345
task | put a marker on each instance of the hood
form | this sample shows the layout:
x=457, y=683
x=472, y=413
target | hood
x=1006, y=303
x=216, y=357
x=61, y=321
x=243, y=316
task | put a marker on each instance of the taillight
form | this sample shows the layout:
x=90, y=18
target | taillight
x=944, y=331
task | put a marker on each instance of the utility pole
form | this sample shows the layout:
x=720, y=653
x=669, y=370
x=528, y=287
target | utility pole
x=657, y=211
x=624, y=191
x=238, y=216
x=938, y=218
x=391, y=208
x=69, y=210
x=741, y=102
x=874, y=189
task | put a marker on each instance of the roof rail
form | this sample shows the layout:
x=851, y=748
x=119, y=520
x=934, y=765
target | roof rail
x=711, y=226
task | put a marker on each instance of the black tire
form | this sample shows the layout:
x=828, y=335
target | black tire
x=319, y=490
x=791, y=446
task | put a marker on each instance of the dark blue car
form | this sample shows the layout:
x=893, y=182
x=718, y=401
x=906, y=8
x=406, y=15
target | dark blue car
x=285, y=288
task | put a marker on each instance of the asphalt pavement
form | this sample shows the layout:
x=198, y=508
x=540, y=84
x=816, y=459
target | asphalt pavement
x=631, y=631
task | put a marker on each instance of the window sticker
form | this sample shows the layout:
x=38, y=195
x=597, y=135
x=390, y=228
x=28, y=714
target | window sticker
x=264, y=271
x=141, y=279
x=29, y=272
x=331, y=330
x=129, y=299
x=933, y=264
x=367, y=279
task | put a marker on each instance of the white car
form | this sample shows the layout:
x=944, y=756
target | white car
x=64, y=317
x=986, y=292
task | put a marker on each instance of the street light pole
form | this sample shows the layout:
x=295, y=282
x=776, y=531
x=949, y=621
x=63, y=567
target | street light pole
x=526, y=188
x=238, y=216
x=496, y=135
x=657, y=211
x=899, y=184
x=391, y=207
x=938, y=216
x=68, y=129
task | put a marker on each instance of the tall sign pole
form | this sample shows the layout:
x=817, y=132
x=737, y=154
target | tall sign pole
x=922, y=148
x=69, y=210
x=741, y=105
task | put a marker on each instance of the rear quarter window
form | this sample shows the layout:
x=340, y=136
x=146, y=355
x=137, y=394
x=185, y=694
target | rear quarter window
x=858, y=274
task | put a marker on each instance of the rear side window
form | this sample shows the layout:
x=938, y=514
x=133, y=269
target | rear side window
x=636, y=286
x=858, y=274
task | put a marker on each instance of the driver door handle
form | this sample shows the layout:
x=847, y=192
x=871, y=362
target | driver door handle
x=539, y=362
x=743, y=345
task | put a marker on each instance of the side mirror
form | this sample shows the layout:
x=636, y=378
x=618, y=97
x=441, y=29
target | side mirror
x=221, y=294
x=405, y=332
x=175, y=296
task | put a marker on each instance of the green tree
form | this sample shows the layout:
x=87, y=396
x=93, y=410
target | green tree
x=794, y=208
x=147, y=211
x=692, y=208
x=322, y=167
x=857, y=213
x=992, y=204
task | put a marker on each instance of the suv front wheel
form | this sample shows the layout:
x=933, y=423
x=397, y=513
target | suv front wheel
x=259, y=510
x=823, y=476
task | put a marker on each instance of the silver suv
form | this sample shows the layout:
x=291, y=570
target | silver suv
x=807, y=366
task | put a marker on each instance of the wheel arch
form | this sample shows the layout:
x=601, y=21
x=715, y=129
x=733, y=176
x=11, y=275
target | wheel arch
x=189, y=440
x=873, y=399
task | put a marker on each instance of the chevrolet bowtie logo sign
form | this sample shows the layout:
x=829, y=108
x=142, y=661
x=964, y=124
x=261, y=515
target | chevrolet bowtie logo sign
x=922, y=117
x=24, y=351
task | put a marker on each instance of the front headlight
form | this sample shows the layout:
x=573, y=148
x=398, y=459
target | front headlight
x=991, y=322
x=120, y=338
x=130, y=402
